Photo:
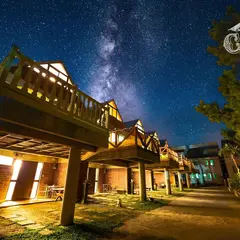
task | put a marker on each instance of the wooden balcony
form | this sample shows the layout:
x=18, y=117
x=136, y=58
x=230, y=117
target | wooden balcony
x=168, y=159
x=126, y=146
x=39, y=104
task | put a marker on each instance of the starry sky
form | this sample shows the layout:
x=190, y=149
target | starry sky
x=149, y=55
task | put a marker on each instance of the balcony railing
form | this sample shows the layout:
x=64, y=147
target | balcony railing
x=133, y=137
x=167, y=154
x=27, y=81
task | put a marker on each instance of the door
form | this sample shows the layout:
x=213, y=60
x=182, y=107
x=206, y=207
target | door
x=24, y=181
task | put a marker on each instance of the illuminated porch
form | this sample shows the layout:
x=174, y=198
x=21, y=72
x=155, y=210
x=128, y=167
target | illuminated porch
x=42, y=112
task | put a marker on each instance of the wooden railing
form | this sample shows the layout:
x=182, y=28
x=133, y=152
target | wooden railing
x=133, y=137
x=167, y=153
x=27, y=78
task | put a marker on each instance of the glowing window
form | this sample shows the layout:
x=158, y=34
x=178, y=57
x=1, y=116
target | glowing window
x=206, y=163
x=212, y=162
x=34, y=190
x=38, y=171
x=10, y=190
x=112, y=137
x=197, y=176
x=6, y=160
x=204, y=174
x=120, y=138
x=214, y=175
x=16, y=168
x=209, y=175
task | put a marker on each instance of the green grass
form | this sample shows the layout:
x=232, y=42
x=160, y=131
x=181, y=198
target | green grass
x=92, y=221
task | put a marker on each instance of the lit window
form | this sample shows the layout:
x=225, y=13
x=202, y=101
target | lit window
x=6, y=160
x=214, y=175
x=209, y=176
x=120, y=138
x=34, y=190
x=16, y=168
x=206, y=162
x=112, y=137
x=212, y=162
x=204, y=174
x=192, y=175
x=197, y=175
x=38, y=172
x=10, y=190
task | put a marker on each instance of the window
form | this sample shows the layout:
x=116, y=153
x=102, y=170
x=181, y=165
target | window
x=206, y=163
x=205, y=175
x=192, y=175
x=36, y=180
x=6, y=160
x=197, y=176
x=214, y=175
x=212, y=162
x=16, y=168
x=209, y=176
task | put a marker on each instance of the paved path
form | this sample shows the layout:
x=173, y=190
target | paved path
x=209, y=213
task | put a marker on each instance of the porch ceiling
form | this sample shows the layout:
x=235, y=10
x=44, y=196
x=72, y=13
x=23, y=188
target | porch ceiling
x=29, y=145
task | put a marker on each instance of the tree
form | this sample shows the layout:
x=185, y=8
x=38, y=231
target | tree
x=229, y=85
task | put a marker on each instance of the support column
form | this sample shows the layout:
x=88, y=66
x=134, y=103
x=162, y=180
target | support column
x=142, y=182
x=180, y=181
x=188, y=180
x=96, y=186
x=152, y=180
x=70, y=192
x=174, y=180
x=130, y=185
x=167, y=181
x=82, y=180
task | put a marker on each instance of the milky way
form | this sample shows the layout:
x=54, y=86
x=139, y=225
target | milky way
x=149, y=55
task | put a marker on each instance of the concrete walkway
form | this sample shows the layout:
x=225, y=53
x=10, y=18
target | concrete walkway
x=209, y=213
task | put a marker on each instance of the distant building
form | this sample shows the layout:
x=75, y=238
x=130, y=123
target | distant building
x=206, y=159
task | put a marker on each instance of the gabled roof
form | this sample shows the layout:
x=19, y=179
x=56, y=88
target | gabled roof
x=59, y=66
x=131, y=123
x=113, y=104
x=163, y=142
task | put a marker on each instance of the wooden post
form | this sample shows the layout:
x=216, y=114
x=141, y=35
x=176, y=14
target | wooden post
x=152, y=180
x=142, y=182
x=129, y=178
x=180, y=181
x=174, y=180
x=188, y=180
x=167, y=182
x=96, y=186
x=70, y=193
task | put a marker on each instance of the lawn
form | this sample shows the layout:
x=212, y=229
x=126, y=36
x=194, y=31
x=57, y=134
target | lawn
x=95, y=220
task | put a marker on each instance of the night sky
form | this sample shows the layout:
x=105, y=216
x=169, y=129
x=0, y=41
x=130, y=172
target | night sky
x=149, y=55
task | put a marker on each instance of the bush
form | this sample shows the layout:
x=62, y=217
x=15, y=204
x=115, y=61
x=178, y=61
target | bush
x=235, y=182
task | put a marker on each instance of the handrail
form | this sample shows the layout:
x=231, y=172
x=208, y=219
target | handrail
x=139, y=138
x=30, y=79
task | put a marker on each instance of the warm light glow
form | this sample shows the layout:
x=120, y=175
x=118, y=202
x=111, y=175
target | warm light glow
x=120, y=138
x=6, y=160
x=52, y=79
x=44, y=74
x=34, y=190
x=36, y=70
x=38, y=171
x=112, y=137
x=10, y=190
x=16, y=168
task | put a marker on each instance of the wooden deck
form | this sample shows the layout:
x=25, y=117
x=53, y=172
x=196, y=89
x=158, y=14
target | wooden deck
x=40, y=104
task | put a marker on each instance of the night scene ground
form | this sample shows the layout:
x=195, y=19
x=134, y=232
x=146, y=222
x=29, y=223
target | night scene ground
x=120, y=119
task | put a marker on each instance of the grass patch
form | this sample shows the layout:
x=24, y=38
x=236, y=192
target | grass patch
x=98, y=219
